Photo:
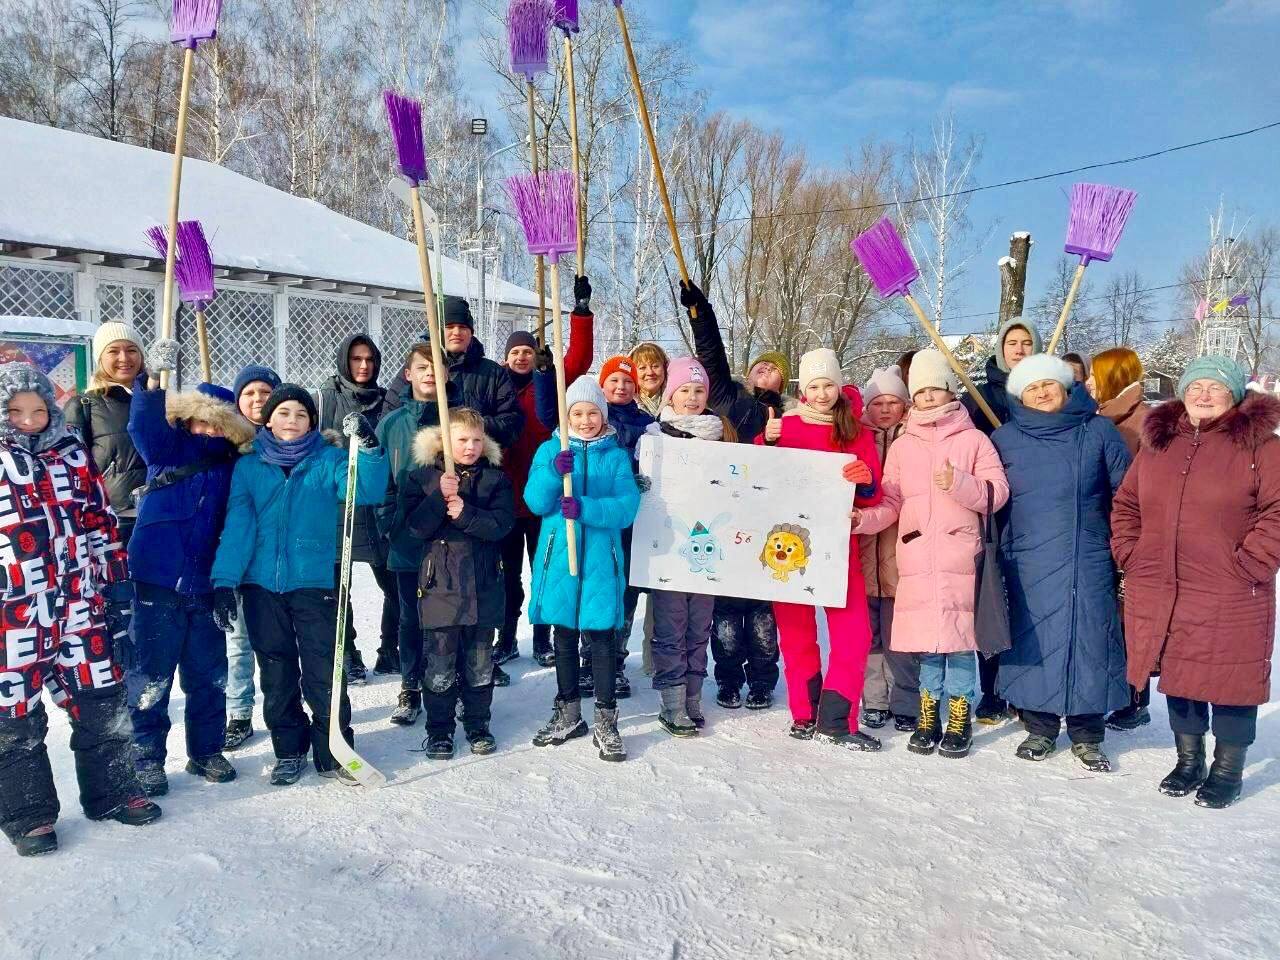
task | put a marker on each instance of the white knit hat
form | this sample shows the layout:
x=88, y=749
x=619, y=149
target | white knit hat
x=885, y=380
x=586, y=390
x=929, y=368
x=1037, y=367
x=109, y=333
x=820, y=364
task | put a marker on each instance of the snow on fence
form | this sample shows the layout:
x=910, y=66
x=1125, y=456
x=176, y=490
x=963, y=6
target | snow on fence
x=295, y=331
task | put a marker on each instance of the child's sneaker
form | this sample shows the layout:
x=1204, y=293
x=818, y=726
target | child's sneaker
x=803, y=729
x=482, y=741
x=215, y=769
x=287, y=771
x=1091, y=755
x=850, y=741
x=500, y=677
x=875, y=719
x=928, y=728
x=621, y=686
x=357, y=672
x=958, y=737
x=673, y=716
x=566, y=724
x=607, y=738
x=238, y=732
x=1035, y=748
x=438, y=746
x=408, y=708
x=37, y=842
x=154, y=782
x=340, y=776
x=903, y=724
x=138, y=812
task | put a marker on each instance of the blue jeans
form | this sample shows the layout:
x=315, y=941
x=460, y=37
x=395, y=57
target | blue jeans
x=240, y=691
x=175, y=633
x=410, y=637
x=946, y=675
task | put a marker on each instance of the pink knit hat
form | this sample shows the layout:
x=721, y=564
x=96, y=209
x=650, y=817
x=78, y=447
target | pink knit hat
x=682, y=371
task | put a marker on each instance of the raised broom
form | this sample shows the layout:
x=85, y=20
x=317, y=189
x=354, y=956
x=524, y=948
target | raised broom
x=567, y=20
x=193, y=21
x=528, y=29
x=546, y=204
x=889, y=265
x=643, y=106
x=1097, y=218
x=405, y=117
x=193, y=270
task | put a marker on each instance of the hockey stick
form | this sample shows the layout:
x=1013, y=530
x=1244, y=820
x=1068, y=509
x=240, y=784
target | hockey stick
x=365, y=773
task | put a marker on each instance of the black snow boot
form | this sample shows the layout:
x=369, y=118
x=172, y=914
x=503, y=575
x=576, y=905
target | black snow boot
x=438, y=746
x=1130, y=718
x=958, y=737
x=287, y=771
x=215, y=768
x=37, y=842
x=621, y=686
x=388, y=662
x=408, y=708
x=586, y=680
x=992, y=710
x=903, y=724
x=759, y=698
x=566, y=724
x=928, y=727
x=154, y=782
x=803, y=729
x=875, y=719
x=850, y=741
x=500, y=677
x=729, y=697
x=357, y=672
x=482, y=741
x=606, y=737
x=543, y=654
x=1226, y=776
x=1092, y=756
x=138, y=812
x=1035, y=748
x=1190, y=771
x=238, y=733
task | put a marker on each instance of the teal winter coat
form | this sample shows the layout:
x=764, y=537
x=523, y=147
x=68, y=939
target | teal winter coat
x=280, y=533
x=604, y=483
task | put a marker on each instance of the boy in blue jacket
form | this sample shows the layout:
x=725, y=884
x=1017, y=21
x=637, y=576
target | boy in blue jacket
x=189, y=442
x=278, y=547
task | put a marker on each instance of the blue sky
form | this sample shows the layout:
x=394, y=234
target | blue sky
x=1047, y=84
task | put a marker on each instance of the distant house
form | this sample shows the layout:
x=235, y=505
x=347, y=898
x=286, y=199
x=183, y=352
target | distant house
x=1159, y=386
x=295, y=277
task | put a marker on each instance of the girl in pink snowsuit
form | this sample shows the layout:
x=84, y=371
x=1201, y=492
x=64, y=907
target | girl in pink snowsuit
x=828, y=419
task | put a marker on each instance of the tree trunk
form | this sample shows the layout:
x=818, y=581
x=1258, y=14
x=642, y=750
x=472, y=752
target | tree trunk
x=1013, y=276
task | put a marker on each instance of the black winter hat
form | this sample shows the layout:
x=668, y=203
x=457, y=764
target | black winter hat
x=520, y=338
x=290, y=391
x=458, y=312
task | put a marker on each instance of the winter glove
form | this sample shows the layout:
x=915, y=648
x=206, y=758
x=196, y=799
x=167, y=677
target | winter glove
x=162, y=357
x=857, y=472
x=357, y=425
x=570, y=508
x=543, y=361
x=563, y=462
x=643, y=483
x=581, y=295
x=224, y=608
x=691, y=298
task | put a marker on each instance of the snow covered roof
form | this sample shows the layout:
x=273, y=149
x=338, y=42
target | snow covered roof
x=72, y=191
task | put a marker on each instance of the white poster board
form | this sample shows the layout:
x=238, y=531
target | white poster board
x=737, y=520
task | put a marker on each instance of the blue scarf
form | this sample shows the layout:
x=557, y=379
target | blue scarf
x=286, y=454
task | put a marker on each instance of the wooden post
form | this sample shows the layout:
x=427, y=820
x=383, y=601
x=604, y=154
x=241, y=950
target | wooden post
x=202, y=338
x=1013, y=277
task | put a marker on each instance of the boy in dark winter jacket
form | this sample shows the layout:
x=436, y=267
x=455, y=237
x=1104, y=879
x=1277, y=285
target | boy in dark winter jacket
x=463, y=517
x=189, y=442
x=64, y=584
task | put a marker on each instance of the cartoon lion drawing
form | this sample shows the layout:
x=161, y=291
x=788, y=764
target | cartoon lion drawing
x=786, y=551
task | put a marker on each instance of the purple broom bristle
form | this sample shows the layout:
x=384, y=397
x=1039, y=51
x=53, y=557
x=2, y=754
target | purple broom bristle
x=193, y=21
x=567, y=15
x=886, y=259
x=528, y=35
x=405, y=116
x=194, y=270
x=1098, y=215
x=159, y=241
x=546, y=204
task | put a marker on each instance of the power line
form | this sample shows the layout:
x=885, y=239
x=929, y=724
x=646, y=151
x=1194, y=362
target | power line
x=1099, y=165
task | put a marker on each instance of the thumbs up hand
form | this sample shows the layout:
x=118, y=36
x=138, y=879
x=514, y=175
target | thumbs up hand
x=946, y=477
x=772, y=428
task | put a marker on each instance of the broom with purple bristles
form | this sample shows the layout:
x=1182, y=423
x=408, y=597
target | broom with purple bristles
x=405, y=118
x=1097, y=219
x=567, y=21
x=528, y=37
x=193, y=21
x=193, y=270
x=546, y=204
x=889, y=265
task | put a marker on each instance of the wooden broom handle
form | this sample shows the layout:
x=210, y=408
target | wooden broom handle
x=577, y=158
x=557, y=332
x=943, y=349
x=653, y=149
x=1066, y=309
x=540, y=262
x=202, y=338
x=435, y=333
x=175, y=191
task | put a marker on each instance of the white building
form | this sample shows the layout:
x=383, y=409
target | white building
x=295, y=277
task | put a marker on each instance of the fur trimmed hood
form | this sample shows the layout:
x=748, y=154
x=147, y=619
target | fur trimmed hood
x=1247, y=425
x=427, y=445
x=193, y=405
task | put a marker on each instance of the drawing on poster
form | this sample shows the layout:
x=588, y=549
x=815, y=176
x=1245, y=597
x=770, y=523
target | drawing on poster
x=722, y=519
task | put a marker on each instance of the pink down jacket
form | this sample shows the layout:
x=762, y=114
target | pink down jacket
x=933, y=612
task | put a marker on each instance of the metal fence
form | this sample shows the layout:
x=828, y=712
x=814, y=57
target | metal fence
x=293, y=330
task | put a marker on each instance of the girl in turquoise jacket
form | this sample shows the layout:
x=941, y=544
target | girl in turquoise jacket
x=278, y=546
x=604, y=502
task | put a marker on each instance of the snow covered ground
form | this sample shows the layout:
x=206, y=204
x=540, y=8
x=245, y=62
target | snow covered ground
x=741, y=844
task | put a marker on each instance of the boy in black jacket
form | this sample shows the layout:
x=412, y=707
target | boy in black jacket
x=461, y=600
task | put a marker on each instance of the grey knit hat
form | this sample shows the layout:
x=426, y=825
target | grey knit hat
x=18, y=378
